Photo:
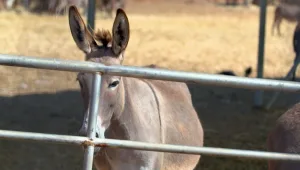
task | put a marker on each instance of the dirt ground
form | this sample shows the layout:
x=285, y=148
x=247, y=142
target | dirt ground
x=192, y=37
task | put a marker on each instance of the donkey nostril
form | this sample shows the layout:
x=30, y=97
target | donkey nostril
x=97, y=135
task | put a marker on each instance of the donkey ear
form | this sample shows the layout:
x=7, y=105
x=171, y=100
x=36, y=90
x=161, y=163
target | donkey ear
x=120, y=32
x=83, y=38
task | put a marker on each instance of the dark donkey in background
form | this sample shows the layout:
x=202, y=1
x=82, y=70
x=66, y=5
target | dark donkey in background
x=132, y=108
x=292, y=71
x=285, y=137
x=296, y=45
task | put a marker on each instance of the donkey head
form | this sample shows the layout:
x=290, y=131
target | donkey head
x=109, y=52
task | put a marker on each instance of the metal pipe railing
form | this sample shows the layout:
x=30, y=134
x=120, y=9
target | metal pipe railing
x=92, y=121
x=84, y=141
x=150, y=73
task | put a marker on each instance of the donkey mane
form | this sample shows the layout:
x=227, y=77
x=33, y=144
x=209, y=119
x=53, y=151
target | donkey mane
x=103, y=36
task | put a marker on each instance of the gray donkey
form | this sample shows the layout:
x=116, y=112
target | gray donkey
x=59, y=6
x=132, y=108
x=290, y=12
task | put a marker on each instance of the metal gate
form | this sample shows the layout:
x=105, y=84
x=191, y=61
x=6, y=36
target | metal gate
x=98, y=69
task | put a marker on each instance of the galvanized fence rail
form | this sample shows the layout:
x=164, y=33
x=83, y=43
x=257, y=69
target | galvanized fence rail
x=90, y=142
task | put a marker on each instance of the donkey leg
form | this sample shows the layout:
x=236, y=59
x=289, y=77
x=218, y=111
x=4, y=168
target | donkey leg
x=294, y=73
x=109, y=10
x=2, y=4
x=273, y=27
x=85, y=6
x=61, y=7
x=274, y=24
x=51, y=6
x=278, y=26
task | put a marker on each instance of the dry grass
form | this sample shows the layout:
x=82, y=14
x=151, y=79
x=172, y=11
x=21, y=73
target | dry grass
x=210, y=40
x=199, y=38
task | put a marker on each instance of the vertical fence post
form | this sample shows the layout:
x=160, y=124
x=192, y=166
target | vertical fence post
x=258, y=96
x=91, y=15
x=92, y=121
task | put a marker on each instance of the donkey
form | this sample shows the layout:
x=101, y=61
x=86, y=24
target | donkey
x=296, y=46
x=289, y=12
x=293, y=69
x=134, y=109
x=108, y=6
x=2, y=5
x=59, y=6
x=285, y=138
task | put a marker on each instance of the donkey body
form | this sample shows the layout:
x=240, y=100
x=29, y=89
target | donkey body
x=109, y=6
x=289, y=12
x=285, y=138
x=2, y=4
x=135, y=109
x=59, y=6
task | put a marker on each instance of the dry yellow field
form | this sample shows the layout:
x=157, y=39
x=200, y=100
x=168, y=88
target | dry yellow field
x=208, y=40
x=199, y=38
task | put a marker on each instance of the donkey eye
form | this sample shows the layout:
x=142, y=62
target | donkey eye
x=113, y=84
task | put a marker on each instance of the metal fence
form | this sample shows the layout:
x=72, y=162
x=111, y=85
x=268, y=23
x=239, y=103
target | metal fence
x=90, y=142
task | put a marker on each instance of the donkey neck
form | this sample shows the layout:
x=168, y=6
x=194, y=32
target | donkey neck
x=139, y=119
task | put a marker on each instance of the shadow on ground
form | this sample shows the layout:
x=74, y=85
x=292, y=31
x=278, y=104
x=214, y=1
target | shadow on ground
x=59, y=113
x=230, y=120
x=227, y=115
